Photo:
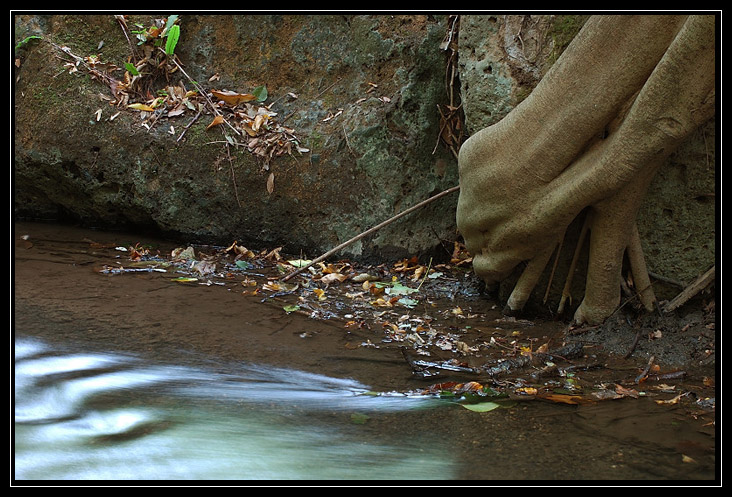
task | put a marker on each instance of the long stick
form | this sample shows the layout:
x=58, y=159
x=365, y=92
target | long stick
x=690, y=291
x=371, y=230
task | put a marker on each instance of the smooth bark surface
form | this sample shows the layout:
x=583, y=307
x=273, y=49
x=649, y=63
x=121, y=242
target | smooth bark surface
x=592, y=135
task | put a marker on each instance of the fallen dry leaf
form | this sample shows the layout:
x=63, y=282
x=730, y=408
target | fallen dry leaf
x=270, y=183
x=331, y=278
x=233, y=98
x=141, y=107
x=565, y=399
x=672, y=401
x=217, y=120
x=626, y=392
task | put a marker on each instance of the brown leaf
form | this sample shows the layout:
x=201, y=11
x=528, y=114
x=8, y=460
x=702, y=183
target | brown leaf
x=233, y=98
x=626, y=392
x=217, y=120
x=331, y=278
x=178, y=110
x=565, y=399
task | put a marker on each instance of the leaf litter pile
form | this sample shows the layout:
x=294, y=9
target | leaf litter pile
x=482, y=360
x=154, y=84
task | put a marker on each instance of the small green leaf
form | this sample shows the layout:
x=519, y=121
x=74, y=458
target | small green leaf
x=170, y=23
x=260, y=93
x=291, y=308
x=132, y=69
x=481, y=407
x=407, y=302
x=26, y=40
x=243, y=265
x=399, y=289
x=299, y=262
x=172, y=39
x=359, y=419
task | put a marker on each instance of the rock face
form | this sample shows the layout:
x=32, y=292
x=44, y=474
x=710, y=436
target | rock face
x=367, y=91
x=360, y=93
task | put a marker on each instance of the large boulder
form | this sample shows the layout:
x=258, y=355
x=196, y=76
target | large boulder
x=358, y=93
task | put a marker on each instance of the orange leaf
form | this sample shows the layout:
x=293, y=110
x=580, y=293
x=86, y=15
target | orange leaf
x=217, y=120
x=233, y=98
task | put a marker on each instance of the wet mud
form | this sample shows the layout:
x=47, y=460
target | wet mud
x=617, y=409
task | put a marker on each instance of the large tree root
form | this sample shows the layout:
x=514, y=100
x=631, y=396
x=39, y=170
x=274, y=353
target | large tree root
x=591, y=135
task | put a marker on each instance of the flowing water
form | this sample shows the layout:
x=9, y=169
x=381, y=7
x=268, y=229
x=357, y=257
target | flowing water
x=136, y=378
x=109, y=416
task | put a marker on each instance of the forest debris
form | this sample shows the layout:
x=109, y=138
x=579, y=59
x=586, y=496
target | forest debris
x=691, y=290
x=232, y=98
x=644, y=374
x=371, y=230
x=216, y=121
x=504, y=366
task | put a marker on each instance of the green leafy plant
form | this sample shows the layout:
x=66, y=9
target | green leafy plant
x=171, y=41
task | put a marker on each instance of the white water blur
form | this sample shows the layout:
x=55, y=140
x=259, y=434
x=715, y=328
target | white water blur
x=91, y=416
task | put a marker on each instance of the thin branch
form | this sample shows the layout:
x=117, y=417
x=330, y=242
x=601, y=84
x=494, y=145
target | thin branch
x=188, y=126
x=371, y=230
x=690, y=291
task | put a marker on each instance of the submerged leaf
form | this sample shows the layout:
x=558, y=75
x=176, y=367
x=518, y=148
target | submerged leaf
x=481, y=407
x=299, y=262
x=359, y=418
x=243, y=264
x=406, y=302
x=270, y=183
x=399, y=289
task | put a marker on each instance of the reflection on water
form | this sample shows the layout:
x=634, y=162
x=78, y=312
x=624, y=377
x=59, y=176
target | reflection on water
x=107, y=416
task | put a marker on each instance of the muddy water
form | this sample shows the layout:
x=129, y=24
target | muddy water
x=135, y=377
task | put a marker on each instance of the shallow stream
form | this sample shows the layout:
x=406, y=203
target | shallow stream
x=136, y=377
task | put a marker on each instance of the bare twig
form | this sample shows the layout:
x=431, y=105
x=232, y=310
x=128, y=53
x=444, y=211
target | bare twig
x=188, y=126
x=123, y=24
x=202, y=91
x=554, y=268
x=690, y=291
x=233, y=176
x=644, y=373
x=371, y=230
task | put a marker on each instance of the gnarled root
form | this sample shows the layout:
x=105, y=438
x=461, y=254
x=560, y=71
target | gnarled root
x=591, y=135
